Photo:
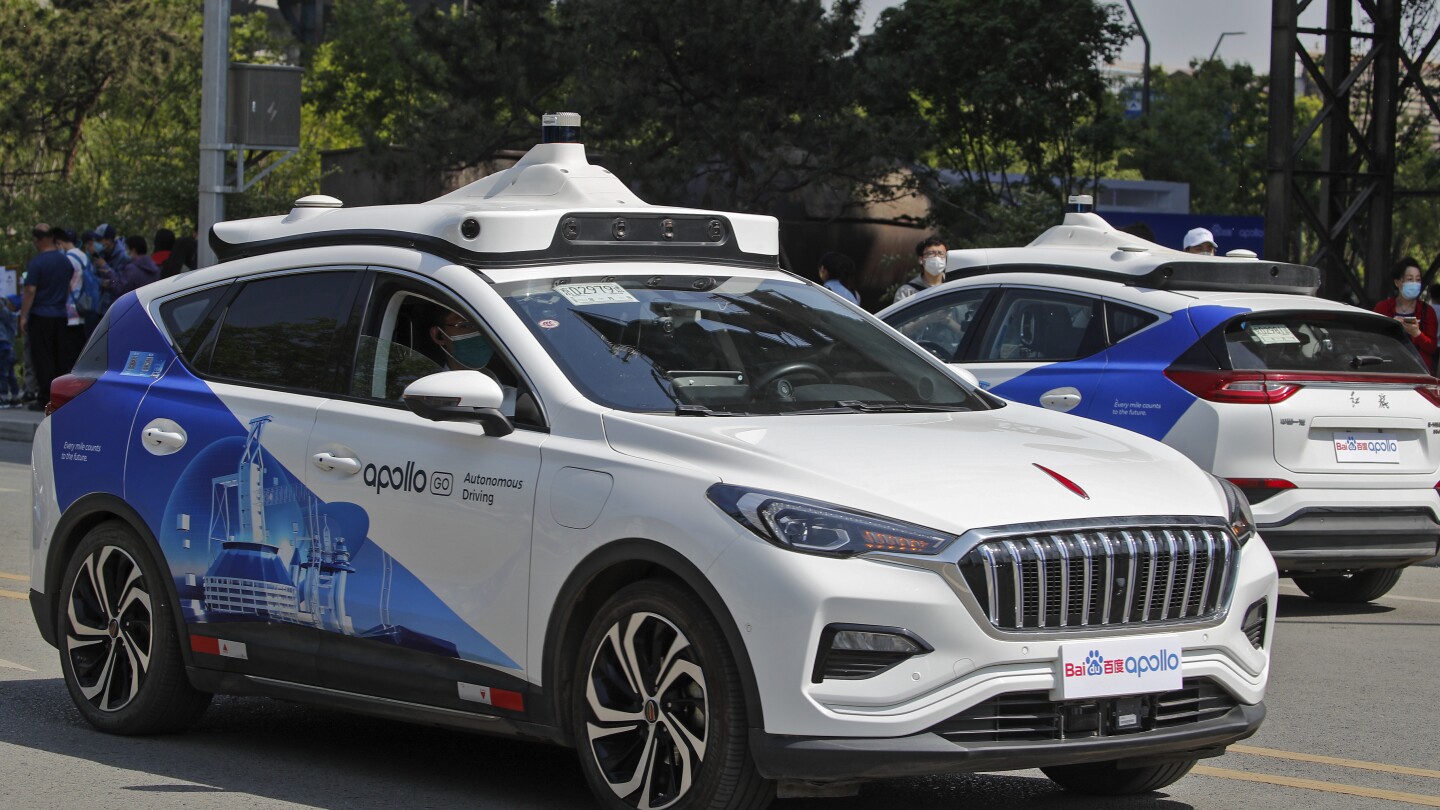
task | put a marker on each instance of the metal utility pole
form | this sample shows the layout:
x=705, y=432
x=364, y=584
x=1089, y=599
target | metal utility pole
x=215, y=65
x=1221, y=39
x=1145, y=69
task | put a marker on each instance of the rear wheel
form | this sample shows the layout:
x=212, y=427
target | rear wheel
x=119, y=649
x=657, y=712
x=1361, y=586
x=1105, y=779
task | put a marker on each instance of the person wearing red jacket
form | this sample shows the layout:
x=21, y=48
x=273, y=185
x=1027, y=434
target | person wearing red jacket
x=1417, y=318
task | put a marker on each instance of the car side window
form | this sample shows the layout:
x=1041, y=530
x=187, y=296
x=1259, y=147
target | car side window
x=1040, y=325
x=283, y=332
x=409, y=332
x=1125, y=321
x=940, y=326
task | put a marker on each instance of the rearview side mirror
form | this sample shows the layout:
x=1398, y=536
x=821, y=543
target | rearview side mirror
x=460, y=396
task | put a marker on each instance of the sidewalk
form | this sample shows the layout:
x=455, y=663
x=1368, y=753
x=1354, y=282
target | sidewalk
x=18, y=424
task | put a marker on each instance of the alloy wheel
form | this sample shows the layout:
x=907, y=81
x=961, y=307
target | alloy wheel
x=109, y=628
x=647, y=711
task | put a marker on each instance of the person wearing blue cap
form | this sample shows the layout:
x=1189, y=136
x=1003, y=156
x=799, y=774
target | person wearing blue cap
x=111, y=260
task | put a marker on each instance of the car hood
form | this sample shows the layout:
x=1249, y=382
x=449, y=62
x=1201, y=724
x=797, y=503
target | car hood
x=948, y=471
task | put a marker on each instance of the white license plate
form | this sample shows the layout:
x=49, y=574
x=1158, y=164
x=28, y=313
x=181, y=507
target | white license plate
x=1371, y=448
x=1119, y=667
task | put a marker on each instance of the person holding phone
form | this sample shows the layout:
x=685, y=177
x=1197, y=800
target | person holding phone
x=1415, y=317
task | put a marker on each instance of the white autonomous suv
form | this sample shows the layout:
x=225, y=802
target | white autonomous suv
x=539, y=459
x=1322, y=413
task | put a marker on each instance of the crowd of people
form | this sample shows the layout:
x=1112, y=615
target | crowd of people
x=66, y=287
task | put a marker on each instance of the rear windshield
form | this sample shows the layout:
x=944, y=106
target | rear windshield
x=1319, y=342
x=728, y=346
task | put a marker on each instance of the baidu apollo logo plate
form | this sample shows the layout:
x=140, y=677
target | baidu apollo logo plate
x=1129, y=666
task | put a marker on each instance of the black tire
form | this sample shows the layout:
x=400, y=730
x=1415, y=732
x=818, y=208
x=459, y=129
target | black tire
x=1104, y=779
x=119, y=649
x=679, y=739
x=1361, y=586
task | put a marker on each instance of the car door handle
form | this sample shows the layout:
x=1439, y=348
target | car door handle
x=155, y=437
x=328, y=462
x=1062, y=399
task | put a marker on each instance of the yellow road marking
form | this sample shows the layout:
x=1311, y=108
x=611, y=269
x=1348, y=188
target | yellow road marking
x=1315, y=784
x=16, y=577
x=1323, y=760
x=15, y=595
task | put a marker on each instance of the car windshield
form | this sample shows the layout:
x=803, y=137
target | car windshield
x=1319, y=342
x=727, y=346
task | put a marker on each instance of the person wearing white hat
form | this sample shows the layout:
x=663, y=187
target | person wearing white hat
x=1201, y=241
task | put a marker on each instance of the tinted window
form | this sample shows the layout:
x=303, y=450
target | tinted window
x=1038, y=325
x=281, y=331
x=940, y=326
x=727, y=345
x=1125, y=321
x=184, y=317
x=1316, y=341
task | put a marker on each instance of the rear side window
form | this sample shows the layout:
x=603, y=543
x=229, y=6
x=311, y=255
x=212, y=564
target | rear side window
x=1126, y=321
x=185, y=317
x=1319, y=342
x=284, y=332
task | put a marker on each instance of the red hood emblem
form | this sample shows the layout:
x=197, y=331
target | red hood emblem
x=1065, y=482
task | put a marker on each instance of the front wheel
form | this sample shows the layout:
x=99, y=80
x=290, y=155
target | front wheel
x=1104, y=779
x=119, y=649
x=657, y=711
x=1361, y=586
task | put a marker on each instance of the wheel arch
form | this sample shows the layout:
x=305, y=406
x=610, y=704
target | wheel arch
x=596, y=579
x=87, y=512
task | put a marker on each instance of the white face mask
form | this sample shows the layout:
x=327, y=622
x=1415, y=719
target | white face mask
x=934, y=265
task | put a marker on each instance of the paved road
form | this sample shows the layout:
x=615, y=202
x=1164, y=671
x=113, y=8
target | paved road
x=1354, y=723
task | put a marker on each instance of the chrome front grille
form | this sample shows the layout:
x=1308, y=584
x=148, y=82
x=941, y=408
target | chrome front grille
x=1101, y=577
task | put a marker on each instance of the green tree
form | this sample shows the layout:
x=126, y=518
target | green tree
x=1208, y=128
x=970, y=91
x=451, y=87
x=733, y=103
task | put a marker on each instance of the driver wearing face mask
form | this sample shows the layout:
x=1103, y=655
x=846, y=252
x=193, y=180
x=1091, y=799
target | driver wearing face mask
x=931, y=254
x=466, y=347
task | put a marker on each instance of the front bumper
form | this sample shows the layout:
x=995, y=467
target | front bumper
x=1351, y=539
x=828, y=759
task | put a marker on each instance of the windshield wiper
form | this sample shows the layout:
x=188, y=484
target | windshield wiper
x=896, y=407
x=1358, y=360
x=701, y=410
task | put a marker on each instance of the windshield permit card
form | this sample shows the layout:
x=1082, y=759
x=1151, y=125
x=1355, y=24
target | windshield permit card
x=1107, y=668
x=604, y=292
x=1367, y=448
x=1273, y=333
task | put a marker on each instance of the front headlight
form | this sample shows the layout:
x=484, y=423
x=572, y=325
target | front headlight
x=1242, y=520
x=813, y=527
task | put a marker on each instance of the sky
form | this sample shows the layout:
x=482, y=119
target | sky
x=1181, y=30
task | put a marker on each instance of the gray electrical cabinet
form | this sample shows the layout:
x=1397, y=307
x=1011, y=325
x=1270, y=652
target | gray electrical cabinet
x=264, y=106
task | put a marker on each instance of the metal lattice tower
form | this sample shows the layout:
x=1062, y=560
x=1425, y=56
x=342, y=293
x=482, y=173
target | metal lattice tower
x=1332, y=206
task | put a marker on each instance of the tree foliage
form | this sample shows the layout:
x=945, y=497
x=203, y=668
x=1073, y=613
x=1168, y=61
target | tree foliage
x=979, y=94
x=733, y=104
x=1209, y=128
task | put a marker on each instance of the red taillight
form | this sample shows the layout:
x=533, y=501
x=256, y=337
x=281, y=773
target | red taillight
x=1259, y=489
x=1234, y=386
x=63, y=389
x=1268, y=387
x=1264, y=483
